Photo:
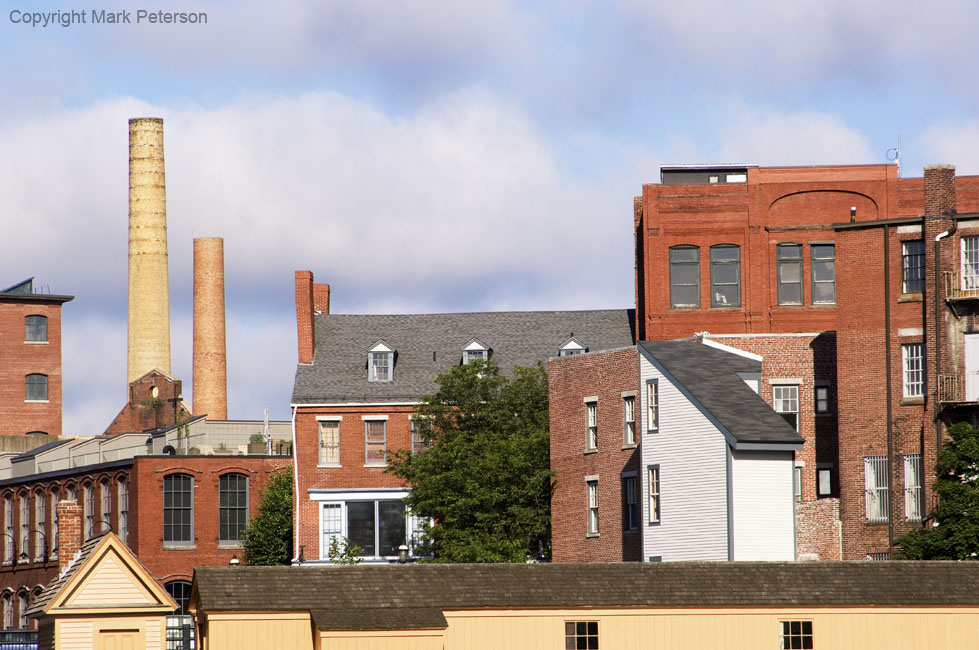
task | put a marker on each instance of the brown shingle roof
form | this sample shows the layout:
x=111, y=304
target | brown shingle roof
x=389, y=596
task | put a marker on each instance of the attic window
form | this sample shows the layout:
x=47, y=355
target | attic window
x=571, y=347
x=473, y=350
x=380, y=362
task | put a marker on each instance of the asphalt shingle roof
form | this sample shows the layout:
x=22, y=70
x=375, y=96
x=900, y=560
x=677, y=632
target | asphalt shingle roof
x=710, y=375
x=401, y=597
x=429, y=344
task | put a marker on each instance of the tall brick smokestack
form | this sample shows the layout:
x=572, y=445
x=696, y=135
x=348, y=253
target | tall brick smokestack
x=210, y=356
x=149, y=285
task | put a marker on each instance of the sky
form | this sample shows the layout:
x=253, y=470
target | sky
x=426, y=156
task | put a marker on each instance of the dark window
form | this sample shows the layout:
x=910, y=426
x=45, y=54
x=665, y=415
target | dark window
x=378, y=527
x=36, y=387
x=36, y=328
x=685, y=276
x=629, y=504
x=233, y=506
x=421, y=435
x=581, y=635
x=180, y=625
x=822, y=398
x=822, y=261
x=178, y=509
x=796, y=634
x=913, y=266
x=789, y=259
x=725, y=276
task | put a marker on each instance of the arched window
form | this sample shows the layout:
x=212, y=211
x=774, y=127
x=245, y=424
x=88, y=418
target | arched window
x=725, y=276
x=684, y=276
x=232, y=507
x=23, y=602
x=9, y=540
x=105, y=492
x=123, y=510
x=36, y=329
x=8, y=609
x=88, y=510
x=178, y=509
x=36, y=388
x=180, y=626
x=789, y=260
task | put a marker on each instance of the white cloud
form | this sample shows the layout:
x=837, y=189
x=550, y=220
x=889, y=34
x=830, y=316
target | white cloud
x=951, y=142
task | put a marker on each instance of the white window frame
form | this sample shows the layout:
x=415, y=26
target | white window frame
x=591, y=484
x=322, y=422
x=105, y=492
x=368, y=443
x=417, y=426
x=913, y=489
x=474, y=350
x=571, y=347
x=10, y=542
x=629, y=420
x=876, y=488
x=654, y=482
x=797, y=483
x=40, y=522
x=913, y=364
x=55, y=498
x=591, y=424
x=25, y=526
x=123, y=496
x=335, y=502
x=380, y=363
x=652, y=405
x=785, y=400
x=913, y=266
x=970, y=263
x=88, y=511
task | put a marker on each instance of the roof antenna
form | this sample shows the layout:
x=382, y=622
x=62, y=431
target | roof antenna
x=896, y=156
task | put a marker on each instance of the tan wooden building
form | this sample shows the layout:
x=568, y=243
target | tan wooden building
x=723, y=606
x=104, y=600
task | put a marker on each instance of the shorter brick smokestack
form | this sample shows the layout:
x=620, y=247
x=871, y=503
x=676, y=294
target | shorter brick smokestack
x=321, y=298
x=69, y=532
x=210, y=351
x=939, y=190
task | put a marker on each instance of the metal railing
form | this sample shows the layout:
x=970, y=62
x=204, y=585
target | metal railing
x=949, y=388
x=959, y=287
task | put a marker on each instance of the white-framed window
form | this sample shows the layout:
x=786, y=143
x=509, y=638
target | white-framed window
x=629, y=503
x=8, y=527
x=878, y=557
x=913, y=496
x=913, y=266
x=378, y=522
x=822, y=264
x=913, y=357
x=785, y=399
x=331, y=516
x=591, y=425
x=571, y=347
x=789, y=261
x=652, y=473
x=822, y=397
x=824, y=481
x=40, y=522
x=652, y=405
x=797, y=482
x=88, y=493
x=329, y=442
x=876, y=488
x=380, y=362
x=474, y=350
x=421, y=434
x=725, y=275
x=25, y=526
x=8, y=609
x=123, y=487
x=970, y=263
x=23, y=600
x=375, y=442
x=55, y=498
x=592, y=506
x=106, y=494
x=629, y=418
x=684, y=276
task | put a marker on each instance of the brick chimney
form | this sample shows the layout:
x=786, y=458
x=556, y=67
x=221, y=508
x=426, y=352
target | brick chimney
x=304, y=315
x=321, y=298
x=939, y=190
x=69, y=532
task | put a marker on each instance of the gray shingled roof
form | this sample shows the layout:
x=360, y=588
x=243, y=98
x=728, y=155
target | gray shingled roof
x=429, y=344
x=710, y=375
x=399, y=597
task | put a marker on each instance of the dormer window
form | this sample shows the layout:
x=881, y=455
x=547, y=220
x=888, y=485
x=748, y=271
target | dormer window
x=380, y=362
x=571, y=347
x=473, y=350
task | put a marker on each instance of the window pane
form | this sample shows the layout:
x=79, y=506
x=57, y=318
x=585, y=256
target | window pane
x=36, y=387
x=392, y=532
x=686, y=274
x=725, y=273
x=725, y=254
x=686, y=296
x=329, y=443
x=36, y=328
x=789, y=252
x=360, y=525
x=233, y=506
x=690, y=254
x=177, y=508
x=789, y=272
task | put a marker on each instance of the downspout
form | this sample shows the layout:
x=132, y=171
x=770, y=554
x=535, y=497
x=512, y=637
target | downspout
x=887, y=383
x=295, y=491
x=938, y=338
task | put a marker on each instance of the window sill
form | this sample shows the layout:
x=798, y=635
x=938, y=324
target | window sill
x=590, y=535
x=35, y=342
x=631, y=445
x=330, y=466
x=651, y=431
x=912, y=401
x=825, y=414
x=910, y=297
x=726, y=307
x=179, y=547
x=590, y=451
x=375, y=464
x=37, y=401
x=877, y=523
x=229, y=545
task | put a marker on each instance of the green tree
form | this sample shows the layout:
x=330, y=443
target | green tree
x=486, y=480
x=954, y=530
x=268, y=539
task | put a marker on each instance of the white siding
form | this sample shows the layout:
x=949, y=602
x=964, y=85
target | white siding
x=764, y=508
x=692, y=456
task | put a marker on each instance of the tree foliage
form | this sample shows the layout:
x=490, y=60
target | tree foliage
x=267, y=540
x=954, y=530
x=486, y=480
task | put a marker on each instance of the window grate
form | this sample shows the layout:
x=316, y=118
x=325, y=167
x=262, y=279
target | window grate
x=913, y=496
x=876, y=488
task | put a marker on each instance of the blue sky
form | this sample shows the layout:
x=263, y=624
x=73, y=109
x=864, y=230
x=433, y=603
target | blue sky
x=428, y=156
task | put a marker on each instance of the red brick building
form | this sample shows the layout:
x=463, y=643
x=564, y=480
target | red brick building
x=30, y=361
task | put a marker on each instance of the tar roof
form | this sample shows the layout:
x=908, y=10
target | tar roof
x=350, y=597
x=711, y=376
x=428, y=344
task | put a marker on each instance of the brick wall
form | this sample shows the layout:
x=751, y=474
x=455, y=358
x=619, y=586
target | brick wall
x=818, y=530
x=604, y=375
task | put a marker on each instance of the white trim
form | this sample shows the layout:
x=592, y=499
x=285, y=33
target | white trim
x=339, y=404
x=372, y=417
x=327, y=494
x=760, y=336
x=800, y=463
x=591, y=477
x=728, y=348
x=910, y=331
x=35, y=342
x=968, y=223
x=907, y=230
x=589, y=399
x=37, y=401
x=329, y=418
x=629, y=393
x=785, y=381
x=475, y=345
x=380, y=346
